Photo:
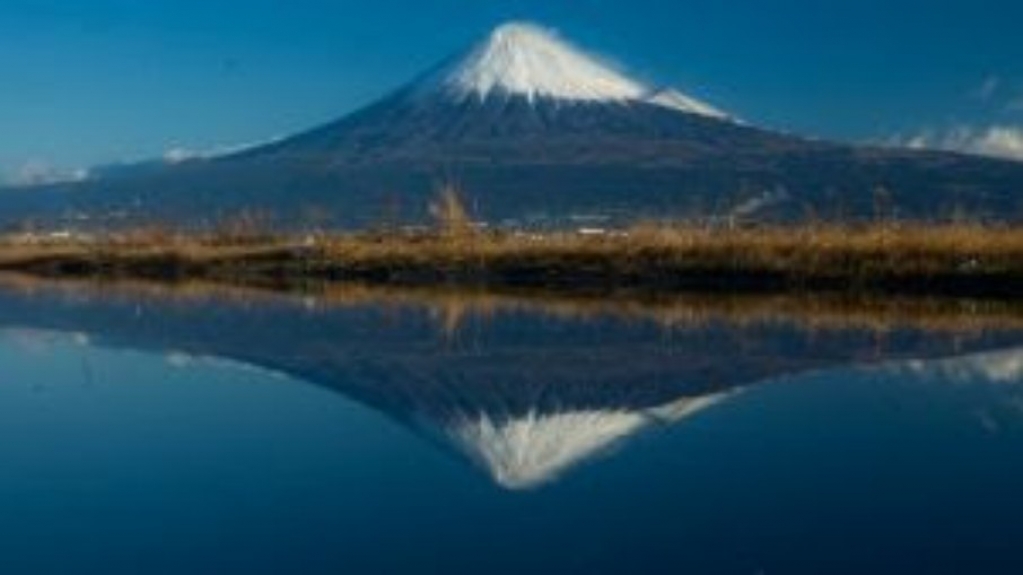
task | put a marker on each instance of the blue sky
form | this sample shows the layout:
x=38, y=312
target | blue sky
x=92, y=81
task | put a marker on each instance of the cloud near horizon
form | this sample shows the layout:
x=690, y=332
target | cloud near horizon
x=178, y=155
x=40, y=173
x=997, y=141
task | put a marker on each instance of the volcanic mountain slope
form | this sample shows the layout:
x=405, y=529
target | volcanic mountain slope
x=528, y=126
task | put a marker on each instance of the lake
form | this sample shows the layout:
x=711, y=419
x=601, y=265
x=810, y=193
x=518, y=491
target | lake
x=200, y=430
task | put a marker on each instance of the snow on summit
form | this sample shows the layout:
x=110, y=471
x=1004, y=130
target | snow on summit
x=528, y=60
x=523, y=59
x=671, y=98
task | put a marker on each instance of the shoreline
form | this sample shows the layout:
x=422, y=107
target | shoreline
x=449, y=306
x=943, y=260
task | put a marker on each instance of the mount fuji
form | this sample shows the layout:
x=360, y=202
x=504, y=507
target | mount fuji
x=533, y=129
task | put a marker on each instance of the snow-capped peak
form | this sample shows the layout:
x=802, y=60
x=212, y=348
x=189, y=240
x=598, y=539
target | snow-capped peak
x=532, y=61
x=671, y=98
x=527, y=60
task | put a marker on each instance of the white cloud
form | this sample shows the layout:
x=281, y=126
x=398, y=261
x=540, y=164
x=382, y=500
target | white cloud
x=995, y=141
x=41, y=173
x=178, y=155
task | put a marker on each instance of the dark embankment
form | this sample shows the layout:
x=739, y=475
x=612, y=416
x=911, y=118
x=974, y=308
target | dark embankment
x=450, y=306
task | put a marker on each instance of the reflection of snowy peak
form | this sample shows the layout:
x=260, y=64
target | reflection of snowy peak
x=531, y=62
x=527, y=451
x=524, y=396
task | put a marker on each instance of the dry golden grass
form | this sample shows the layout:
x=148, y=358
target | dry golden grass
x=656, y=256
x=668, y=255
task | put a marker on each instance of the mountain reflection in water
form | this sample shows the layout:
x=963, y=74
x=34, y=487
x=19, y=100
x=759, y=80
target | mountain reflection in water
x=524, y=392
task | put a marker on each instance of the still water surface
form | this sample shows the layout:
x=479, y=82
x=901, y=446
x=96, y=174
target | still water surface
x=154, y=434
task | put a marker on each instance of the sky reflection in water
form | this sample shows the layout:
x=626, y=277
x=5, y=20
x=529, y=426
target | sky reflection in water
x=150, y=435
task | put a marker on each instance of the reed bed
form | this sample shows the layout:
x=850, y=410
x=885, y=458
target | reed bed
x=946, y=259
